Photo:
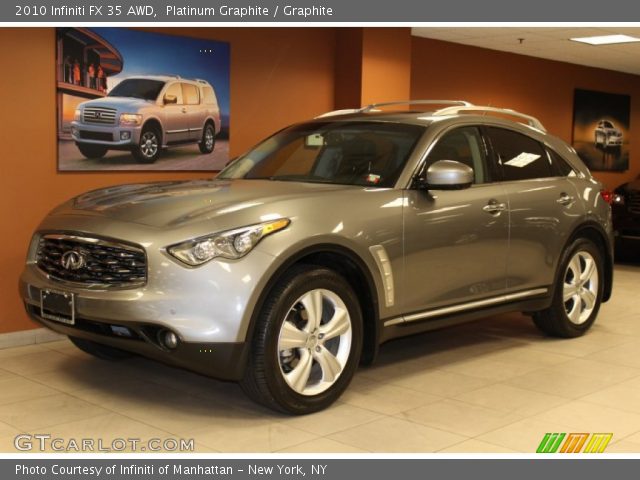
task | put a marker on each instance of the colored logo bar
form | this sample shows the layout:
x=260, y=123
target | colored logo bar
x=574, y=442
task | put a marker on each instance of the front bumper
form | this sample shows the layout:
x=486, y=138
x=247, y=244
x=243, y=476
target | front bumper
x=224, y=361
x=110, y=136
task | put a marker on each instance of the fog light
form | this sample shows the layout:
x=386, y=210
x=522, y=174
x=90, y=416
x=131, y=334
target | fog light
x=125, y=135
x=74, y=131
x=170, y=340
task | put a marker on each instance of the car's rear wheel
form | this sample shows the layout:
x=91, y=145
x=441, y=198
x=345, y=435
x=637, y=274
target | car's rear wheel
x=307, y=342
x=578, y=292
x=208, y=141
x=149, y=146
x=99, y=350
x=92, y=151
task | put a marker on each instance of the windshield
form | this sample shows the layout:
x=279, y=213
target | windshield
x=143, y=88
x=348, y=153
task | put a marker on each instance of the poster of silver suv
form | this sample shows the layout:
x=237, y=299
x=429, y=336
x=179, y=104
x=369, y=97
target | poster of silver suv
x=134, y=100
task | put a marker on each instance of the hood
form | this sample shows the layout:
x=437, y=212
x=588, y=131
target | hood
x=175, y=204
x=118, y=103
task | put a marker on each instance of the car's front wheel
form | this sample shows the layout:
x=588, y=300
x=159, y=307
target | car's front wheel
x=92, y=151
x=578, y=292
x=307, y=342
x=148, y=148
x=208, y=141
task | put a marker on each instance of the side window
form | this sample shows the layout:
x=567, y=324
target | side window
x=463, y=145
x=209, y=96
x=190, y=94
x=559, y=165
x=519, y=156
x=174, y=91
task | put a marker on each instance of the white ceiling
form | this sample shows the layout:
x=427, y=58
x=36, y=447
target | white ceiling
x=547, y=42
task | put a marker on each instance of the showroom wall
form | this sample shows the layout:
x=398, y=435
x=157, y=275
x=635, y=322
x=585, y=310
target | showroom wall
x=539, y=87
x=278, y=76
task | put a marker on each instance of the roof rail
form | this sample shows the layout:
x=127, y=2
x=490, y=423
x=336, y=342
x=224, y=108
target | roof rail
x=345, y=111
x=374, y=106
x=529, y=120
x=200, y=80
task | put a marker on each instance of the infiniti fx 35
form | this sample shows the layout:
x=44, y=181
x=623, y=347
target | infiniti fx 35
x=329, y=238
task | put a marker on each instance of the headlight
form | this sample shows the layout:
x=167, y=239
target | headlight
x=130, y=119
x=77, y=115
x=231, y=244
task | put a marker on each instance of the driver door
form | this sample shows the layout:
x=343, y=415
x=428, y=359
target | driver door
x=455, y=241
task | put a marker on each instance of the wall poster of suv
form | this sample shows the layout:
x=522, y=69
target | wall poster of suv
x=601, y=129
x=133, y=100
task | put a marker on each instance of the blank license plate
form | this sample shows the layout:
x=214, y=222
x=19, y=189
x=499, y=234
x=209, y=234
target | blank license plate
x=58, y=306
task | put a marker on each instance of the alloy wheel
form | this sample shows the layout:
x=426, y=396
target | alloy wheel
x=580, y=289
x=208, y=138
x=149, y=144
x=314, y=342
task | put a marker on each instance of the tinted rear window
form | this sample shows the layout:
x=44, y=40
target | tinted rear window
x=520, y=157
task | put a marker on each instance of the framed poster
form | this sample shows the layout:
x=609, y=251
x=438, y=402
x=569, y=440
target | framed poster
x=135, y=100
x=601, y=129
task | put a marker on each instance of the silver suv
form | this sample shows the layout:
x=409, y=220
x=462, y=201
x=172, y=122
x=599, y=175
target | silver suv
x=323, y=242
x=606, y=135
x=146, y=114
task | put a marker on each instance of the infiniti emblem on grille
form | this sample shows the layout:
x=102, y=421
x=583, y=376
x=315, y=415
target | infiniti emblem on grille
x=72, y=260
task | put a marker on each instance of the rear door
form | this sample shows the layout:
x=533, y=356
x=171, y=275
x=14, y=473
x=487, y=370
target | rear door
x=174, y=113
x=542, y=209
x=194, y=111
x=455, y=241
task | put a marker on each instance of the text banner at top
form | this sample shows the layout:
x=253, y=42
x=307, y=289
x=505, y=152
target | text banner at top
x=317, y=11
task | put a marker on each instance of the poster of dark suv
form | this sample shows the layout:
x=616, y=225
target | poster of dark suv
x=601, y=129
x=134, y=100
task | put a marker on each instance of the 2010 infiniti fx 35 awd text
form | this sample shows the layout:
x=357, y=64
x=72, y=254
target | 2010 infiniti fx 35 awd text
x=323, y=242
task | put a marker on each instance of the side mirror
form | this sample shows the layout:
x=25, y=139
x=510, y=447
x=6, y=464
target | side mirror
x=169, y=99
x=448, y=175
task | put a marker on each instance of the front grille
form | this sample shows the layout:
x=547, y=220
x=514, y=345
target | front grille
x=99, y=115
x=102, y=136
x=633, y=202
x=91, y=261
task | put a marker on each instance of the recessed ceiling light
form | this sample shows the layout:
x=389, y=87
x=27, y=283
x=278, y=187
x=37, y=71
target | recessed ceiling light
x=606, y=39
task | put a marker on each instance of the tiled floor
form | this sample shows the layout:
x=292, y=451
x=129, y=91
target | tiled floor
x=491, y=386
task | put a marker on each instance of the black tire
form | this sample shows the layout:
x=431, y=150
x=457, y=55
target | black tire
x=555, y=320
x=149, y=146
x=264, y=379
x=104, y=352
x=208, y=140
x=92, y=151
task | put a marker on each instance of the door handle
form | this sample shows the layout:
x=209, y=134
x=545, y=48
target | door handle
x=566, y=199
x=494, y=207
